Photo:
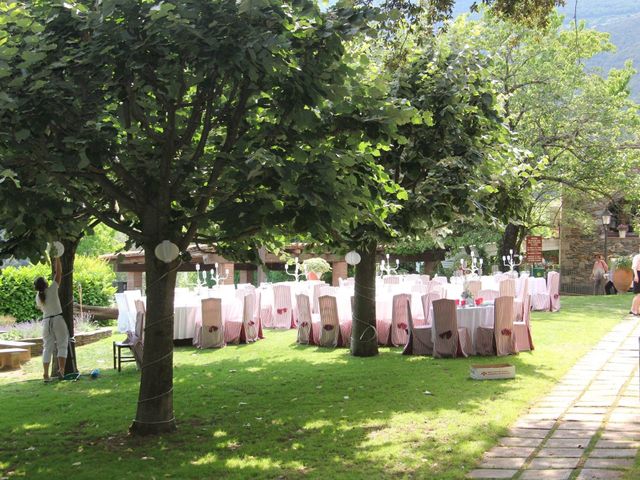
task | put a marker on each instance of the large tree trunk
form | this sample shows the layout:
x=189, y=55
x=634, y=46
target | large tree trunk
x=511, y=240
x=65, y=292
x=155, y=401
x=364, y=335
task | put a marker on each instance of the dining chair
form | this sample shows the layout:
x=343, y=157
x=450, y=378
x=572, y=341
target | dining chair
x=427, y=306
x=474, y=286
x=498, y=339
x=488, y=295
x=507, y=287
x=420, y=341
x=399, y=321
x=212, y=333
x=329, y=334
x=449, y=340
x=283, y=316
x=249, y=323
x=553, y=285
x=304, y=320
x=522, y=329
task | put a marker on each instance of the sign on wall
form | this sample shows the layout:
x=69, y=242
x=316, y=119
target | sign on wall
x=534, y=249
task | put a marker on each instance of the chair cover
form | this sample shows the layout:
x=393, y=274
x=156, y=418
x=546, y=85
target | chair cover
x=518, y=304
x=540, y=301
x=212, y=335
x=499, y=340
x=427, y=301
x=283, y=316
x=449, y=340
x=391, y=280
x=488, y=295
x=522, y=329
x=137, y=339
x=474, y=286
x=440, y=280
x=419, y=341
x=507, y=287
x=553, y=284
x=123, y=313
x=304, y=319
x=317, y=287
x=425, y=279
x=249, y=324
x=131, y=296
x=329, y=335
x=399, y=320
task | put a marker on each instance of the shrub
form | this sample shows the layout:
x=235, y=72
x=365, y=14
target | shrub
x=17, y=296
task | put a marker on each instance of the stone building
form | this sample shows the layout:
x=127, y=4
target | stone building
x=579, y=244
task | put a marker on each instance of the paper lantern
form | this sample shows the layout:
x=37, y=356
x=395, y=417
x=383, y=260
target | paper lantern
x=167, y=251
x=352, y=258
x=56, y=249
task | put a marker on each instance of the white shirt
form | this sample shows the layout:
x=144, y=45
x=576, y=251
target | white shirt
x=635, y=263
x=51, y=305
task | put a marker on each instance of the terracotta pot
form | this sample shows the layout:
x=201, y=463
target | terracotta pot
x=312, y=276
x=622, y=279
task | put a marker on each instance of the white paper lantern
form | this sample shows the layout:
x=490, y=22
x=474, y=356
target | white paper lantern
x=167, y=251
x=352, y=258
x=56, y=249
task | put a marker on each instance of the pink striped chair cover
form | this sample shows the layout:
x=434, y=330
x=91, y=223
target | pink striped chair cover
x=316, y=295
x=419, y=288
x=450, y=341
x=427, y=301
x=212, y=334
x=440, y=280
x=391, y=280
x=399, y=321
x=304, y=319
x=283, y=315
x=136, y=340
x=257, y=317
x=474, y=287
x=507, y=287
x=488, y=295
x=540, y=301
x=425, y=279
x=553, y=285
x=419, y=341
x=522, y=329
x=329, y=335
x=346, y=282
x=249, y=323
x=518, y=304
x=499, y=340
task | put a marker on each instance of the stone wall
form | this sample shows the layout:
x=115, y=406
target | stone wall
x=81, y=339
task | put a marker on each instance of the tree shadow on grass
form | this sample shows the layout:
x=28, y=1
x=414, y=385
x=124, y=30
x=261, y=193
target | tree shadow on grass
x=248, y=412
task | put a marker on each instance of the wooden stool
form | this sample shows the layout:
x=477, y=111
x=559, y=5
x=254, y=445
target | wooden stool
x=118, y=357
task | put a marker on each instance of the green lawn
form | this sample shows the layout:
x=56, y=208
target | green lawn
x=278, y=410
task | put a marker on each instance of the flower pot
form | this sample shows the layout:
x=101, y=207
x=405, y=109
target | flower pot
x=622, y=279
x=312, y=276
x=622, y=233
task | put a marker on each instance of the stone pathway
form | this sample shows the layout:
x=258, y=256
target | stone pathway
x=587, y=428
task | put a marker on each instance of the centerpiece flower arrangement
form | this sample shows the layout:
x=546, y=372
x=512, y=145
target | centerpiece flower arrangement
x=466, y=295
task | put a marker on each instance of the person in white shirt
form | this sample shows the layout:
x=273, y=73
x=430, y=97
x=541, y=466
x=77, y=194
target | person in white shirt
x=54, y=329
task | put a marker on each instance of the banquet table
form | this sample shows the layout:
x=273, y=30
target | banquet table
x=472, y=318
x=187, y=315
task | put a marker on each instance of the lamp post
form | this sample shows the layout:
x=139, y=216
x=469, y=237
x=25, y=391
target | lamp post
x=606, y=220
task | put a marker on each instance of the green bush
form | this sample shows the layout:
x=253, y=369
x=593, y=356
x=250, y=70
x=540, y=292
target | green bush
x=17, y=296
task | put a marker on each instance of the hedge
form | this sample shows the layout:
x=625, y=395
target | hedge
x=17, y=296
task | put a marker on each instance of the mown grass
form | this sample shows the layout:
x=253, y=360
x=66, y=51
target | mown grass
x=278, y=410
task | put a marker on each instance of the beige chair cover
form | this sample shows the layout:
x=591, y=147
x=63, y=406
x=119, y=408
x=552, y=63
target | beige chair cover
x=522, y=330
x=488, y=295
x=316, y=295
x=399, y=321
x=212, y=335
x=137, y=340
x=420, y=341
x=518, y=305
x=304, y=319
x=329, y=322
x=427, y=301
x=248, y=317
x=474, y=286
x=499, y=340
x=507, y=287
x=283, y=315
x=450, y=341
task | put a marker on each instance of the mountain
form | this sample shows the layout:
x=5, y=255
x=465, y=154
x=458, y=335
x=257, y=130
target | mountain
x=619, y=18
